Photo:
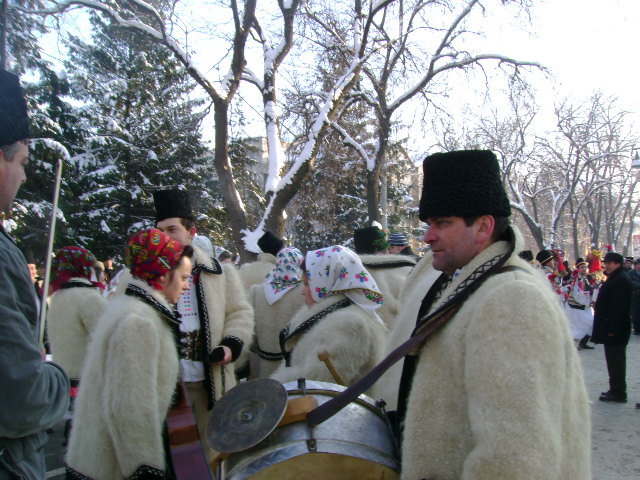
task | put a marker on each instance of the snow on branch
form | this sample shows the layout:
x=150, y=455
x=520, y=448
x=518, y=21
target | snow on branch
x=349, y=141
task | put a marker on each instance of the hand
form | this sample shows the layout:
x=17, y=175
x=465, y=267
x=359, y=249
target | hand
x=227, y=356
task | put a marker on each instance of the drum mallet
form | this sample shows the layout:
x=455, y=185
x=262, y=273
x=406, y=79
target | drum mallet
x=324, y=357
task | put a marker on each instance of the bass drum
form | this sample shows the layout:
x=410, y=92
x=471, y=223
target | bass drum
x=355, y=443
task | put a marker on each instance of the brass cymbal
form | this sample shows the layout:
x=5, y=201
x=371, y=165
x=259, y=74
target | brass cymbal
x=246, y=415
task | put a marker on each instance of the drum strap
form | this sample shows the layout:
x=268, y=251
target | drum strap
x=410, y=347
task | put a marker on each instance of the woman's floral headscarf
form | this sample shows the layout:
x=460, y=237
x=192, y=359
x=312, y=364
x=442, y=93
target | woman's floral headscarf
x=337, y=269
x=286, y=275
x=71, y=262
x=151, y=254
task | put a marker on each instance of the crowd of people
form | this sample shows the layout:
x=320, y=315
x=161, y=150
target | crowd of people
x=495, y=391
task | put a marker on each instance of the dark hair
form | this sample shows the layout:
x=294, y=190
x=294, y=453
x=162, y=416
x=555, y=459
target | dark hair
x=10, y=150
x=499, y=230
x=187, y=252
x=187, y=223
x=224, y=255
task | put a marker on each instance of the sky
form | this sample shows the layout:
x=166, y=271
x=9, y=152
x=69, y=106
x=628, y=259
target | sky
x=587, y=45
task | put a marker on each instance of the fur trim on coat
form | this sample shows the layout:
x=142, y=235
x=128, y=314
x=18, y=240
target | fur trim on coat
x=354, y=339
x=128, y=381
x=390, y=280
x=270, y=319
x=254, y=273
x=498, y=392
x=71, y=319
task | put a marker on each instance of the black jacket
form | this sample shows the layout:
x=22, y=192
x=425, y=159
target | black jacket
x=612, y=310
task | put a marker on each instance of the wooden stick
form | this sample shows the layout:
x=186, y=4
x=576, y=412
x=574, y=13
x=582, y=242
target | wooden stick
x=324, y=357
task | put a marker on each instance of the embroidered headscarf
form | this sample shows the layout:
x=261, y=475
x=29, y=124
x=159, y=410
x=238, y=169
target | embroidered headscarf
x=71, y=262
x=337, y=269
x=151, y=254
x=285, y=275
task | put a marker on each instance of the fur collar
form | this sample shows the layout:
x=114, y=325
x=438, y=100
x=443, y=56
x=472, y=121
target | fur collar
x=387, y=261
x=205, y=263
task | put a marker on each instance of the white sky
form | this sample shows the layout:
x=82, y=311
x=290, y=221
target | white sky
x=588, y=45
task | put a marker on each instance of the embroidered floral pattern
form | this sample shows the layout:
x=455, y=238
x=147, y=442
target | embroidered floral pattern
x=286, y=275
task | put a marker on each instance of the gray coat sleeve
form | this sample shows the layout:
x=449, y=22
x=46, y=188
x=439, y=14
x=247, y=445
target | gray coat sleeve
x=34, y=394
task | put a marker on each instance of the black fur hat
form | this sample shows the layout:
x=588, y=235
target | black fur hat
x=270, y=243
x=14, y=120
x=464, y=183
x=369, y=240
x=526, y=255
x=172, y=203
x=613, y=257
x=544, y=256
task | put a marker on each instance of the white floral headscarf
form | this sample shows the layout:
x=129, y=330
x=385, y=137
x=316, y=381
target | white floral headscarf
x=337, y=269
x=285, y=275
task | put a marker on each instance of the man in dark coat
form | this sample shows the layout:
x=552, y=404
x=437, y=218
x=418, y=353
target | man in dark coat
x=612, y=325
x=34, y=394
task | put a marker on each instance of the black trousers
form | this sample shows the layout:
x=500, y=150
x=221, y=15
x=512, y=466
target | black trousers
x=616, y=356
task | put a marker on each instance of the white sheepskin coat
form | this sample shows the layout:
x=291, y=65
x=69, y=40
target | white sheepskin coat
x=229, y=315
x=128, y=380
x=254, y=273
x=390, y=282
x=71, y=318
x=498, y=392
x=270, y=319
x=354, y=339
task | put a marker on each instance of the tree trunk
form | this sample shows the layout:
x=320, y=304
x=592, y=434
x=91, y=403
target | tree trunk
x=235, y=211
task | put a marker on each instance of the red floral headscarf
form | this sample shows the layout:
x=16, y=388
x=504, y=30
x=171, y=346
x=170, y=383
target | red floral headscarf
x=151, y=254
x=71, y=262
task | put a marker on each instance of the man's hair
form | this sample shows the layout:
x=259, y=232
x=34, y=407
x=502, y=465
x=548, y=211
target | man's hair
x=499, y=230
x=187, y=223
x=10, y=150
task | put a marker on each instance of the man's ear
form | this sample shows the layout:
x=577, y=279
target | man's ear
x=192, y=232
x=486, y=226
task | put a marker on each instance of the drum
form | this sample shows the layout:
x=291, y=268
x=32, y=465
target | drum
x=355, y=443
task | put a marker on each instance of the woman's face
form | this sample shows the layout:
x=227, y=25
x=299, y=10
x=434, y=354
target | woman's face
x=176, y=282
x=306, y=291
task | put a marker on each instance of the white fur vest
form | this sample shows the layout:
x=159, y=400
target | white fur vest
x=71, y=319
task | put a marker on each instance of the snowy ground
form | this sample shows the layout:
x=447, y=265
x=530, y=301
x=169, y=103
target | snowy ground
x=616, y=427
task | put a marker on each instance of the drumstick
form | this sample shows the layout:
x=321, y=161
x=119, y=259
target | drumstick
x=324, y=357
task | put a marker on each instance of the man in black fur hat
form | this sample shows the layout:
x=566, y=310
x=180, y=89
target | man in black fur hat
x=482, y=394
x=34, y=395
x=253, y=273
x=217, y=320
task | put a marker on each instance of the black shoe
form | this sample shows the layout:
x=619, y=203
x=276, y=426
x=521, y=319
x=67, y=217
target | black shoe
x=610, y=397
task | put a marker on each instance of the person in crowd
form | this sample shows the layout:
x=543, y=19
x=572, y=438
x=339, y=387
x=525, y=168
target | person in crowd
x=526, y=255
x=580, y=296
x=339, y=318
x=549, y=266
x=497, y=391
x=217, y=321
x=75, y=305
x=131, y=368
x=225, y=256
x=274, y=302
x=109, y=271
x=628, y=264
x=254, y=273
x=634, y=276
x=389, y=271
x=34, y=394
x=399, y=245
x=612, y=325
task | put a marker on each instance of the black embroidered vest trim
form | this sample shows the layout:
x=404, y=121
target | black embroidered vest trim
x=286, y=335
x=172, y=317
x=76, y=284
x=395, y=264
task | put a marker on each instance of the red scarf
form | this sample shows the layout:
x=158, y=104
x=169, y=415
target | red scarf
x=71, y=262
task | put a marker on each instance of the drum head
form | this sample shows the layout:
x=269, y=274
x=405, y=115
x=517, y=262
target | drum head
x=246, y=415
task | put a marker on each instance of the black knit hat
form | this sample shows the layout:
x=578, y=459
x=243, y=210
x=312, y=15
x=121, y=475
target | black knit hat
x=464, y=183
x=270, y=243
x=613, y=257
x=544, y=256
x=369, y=240
x=172, y=203
x=14, y=120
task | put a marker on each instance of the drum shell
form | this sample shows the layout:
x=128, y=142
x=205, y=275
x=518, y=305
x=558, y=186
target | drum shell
x=355, y=443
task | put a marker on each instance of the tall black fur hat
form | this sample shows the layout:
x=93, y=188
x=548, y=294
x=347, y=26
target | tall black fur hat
x=544, y=256
x=172, y=203
x=270, y=243
x=369, y=240
x=526, y=255
x=14, y=120
x=464, y=183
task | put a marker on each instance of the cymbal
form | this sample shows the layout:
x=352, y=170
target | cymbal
x=246, y=415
